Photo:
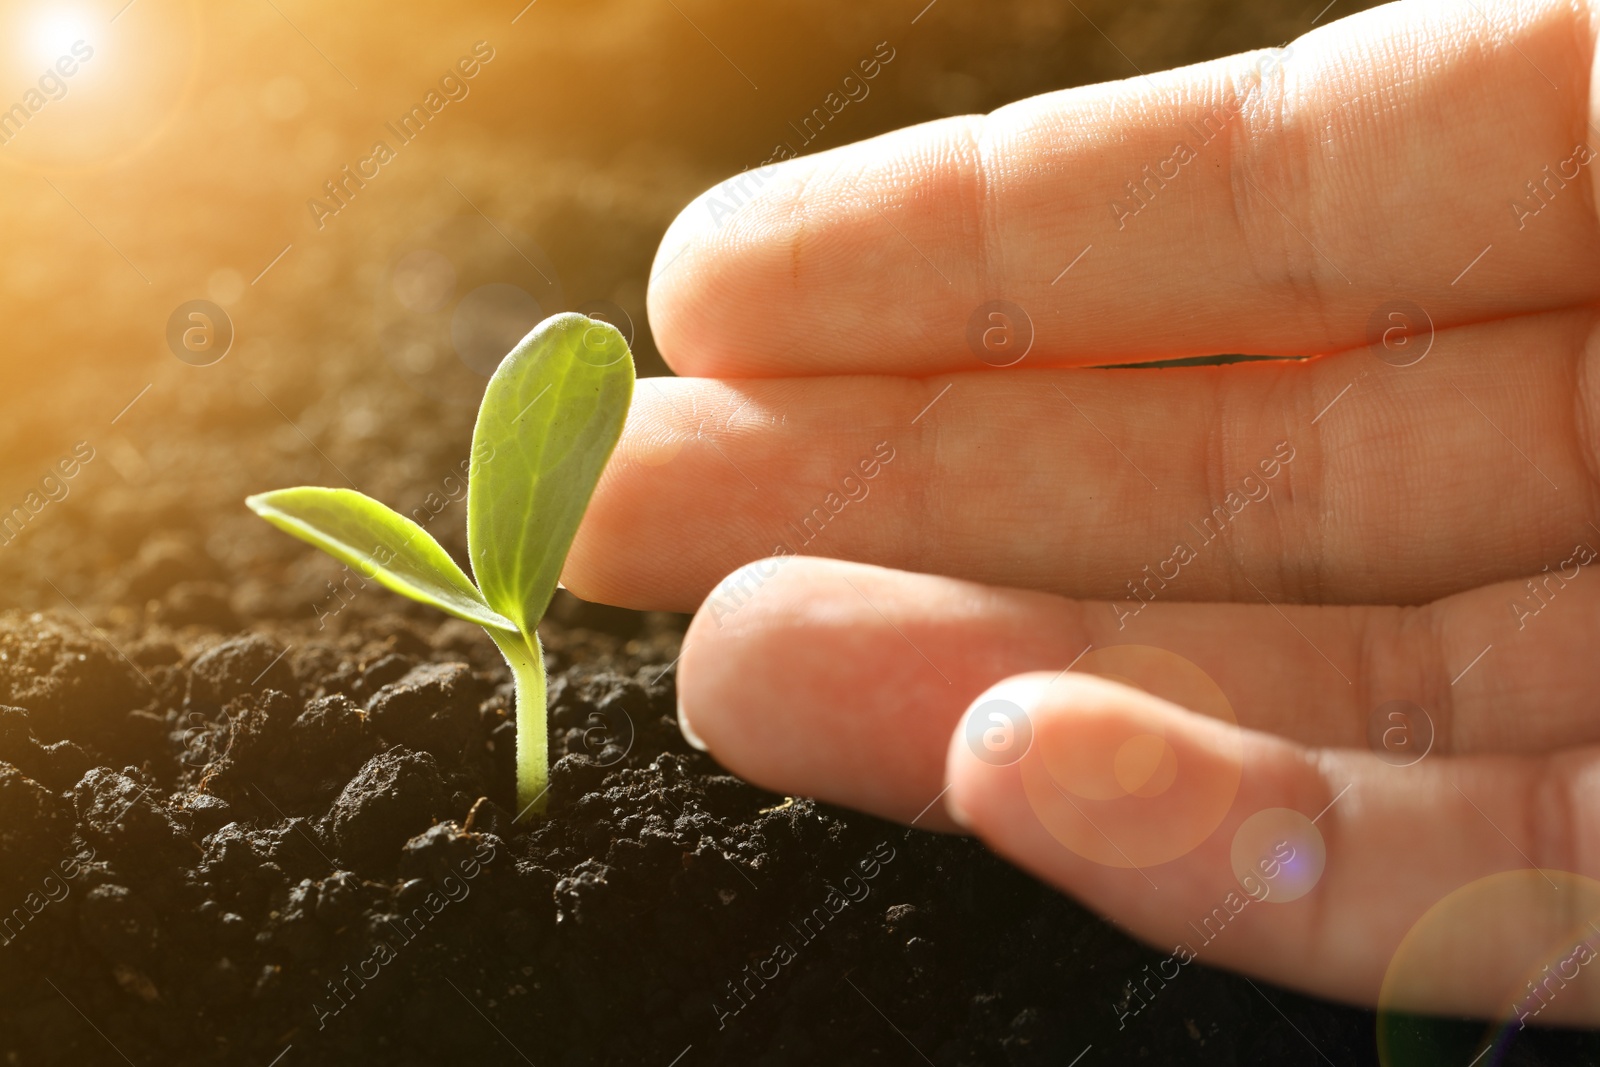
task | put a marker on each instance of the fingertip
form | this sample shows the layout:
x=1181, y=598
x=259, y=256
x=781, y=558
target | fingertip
x=955, y=811
x=1072, y=773
x=692, y=685
x=672, y=267
x=688, y=730
x=724, y=664
x=698, y=279
x=993, y=735
x=795, y=677
x=734, y=274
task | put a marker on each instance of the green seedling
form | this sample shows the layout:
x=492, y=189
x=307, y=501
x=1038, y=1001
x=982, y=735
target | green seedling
x=549, y=420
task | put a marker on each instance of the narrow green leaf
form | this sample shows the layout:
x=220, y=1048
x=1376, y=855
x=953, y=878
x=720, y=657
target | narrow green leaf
x=549, y=420
x=379, y=543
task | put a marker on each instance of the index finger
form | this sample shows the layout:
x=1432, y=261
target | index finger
x=1265, y=203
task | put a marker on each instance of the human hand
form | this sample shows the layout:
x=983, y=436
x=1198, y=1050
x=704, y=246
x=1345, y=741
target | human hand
x=1270, y=553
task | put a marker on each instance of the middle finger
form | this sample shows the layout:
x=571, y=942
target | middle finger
x=1343, y=479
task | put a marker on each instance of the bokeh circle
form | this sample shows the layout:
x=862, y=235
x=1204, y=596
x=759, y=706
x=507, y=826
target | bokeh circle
x=1118, y=791
x=1517, y=948
x=489, y=321
x=453, y=298
x=423, y=280
x=1281, y=852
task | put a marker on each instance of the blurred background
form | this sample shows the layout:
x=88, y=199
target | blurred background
x=216, y=282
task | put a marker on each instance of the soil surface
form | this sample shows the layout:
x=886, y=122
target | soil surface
x=286, y=845
x=254, y=811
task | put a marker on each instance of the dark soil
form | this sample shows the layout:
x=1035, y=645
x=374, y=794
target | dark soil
x=277, y=846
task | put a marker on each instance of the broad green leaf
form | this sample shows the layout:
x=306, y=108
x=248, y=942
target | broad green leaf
x=550, y=417
x=379, y=543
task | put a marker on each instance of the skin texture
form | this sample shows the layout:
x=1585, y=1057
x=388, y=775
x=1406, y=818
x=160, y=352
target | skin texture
x=1380, y=158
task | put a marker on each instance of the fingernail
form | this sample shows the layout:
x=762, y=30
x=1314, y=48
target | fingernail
x=688, y=731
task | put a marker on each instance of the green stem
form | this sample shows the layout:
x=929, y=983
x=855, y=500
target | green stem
x=526, y=658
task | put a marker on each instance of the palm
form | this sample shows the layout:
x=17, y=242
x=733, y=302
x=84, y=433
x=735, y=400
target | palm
x=1319, y=537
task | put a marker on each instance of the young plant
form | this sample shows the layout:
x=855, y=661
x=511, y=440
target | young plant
x=549, y=420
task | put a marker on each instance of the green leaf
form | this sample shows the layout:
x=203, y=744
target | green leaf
x=379, y=543
x=549, y=420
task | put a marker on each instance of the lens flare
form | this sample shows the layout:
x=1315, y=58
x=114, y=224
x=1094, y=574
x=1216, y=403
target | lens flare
x=53, y=34
x=1120, y=792
x=1281, y=851
x=1516, y=949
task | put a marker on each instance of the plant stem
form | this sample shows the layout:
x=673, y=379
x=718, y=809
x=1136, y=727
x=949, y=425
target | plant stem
x=525, y=656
